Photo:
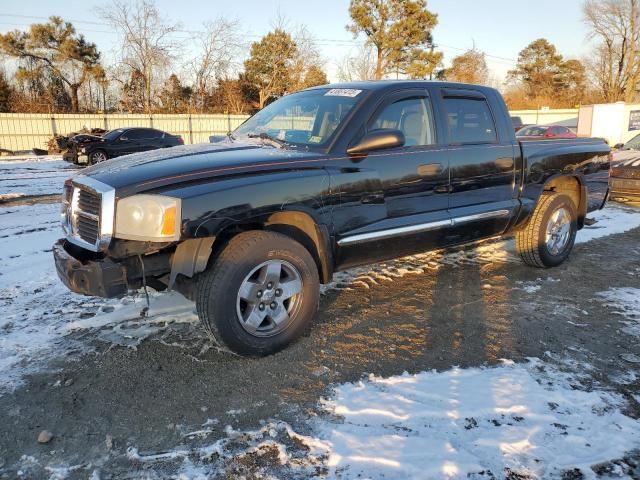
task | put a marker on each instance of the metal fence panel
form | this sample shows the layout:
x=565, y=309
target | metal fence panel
x=24, y=131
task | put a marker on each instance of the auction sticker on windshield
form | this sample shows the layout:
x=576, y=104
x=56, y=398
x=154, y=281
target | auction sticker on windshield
x=342, y=92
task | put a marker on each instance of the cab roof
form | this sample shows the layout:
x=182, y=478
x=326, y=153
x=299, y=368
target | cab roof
x=396, y=84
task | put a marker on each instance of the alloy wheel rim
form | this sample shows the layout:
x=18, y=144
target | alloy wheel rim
x=558, y=231
x=269, y=298
x=99, y=157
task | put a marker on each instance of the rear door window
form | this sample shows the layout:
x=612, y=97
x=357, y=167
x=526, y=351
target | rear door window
x=137, y=134
x=469, y=120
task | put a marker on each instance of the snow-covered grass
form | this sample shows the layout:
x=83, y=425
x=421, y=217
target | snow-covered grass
x=625, y=302
x=527, y=420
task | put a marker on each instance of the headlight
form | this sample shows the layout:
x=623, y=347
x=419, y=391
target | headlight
x=151, y=218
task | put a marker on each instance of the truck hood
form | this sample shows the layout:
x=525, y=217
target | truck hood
x=153, y=170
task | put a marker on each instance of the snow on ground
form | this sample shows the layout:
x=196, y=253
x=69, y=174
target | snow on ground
x=28, y=178
x=524, y=420
x=625, y=302
x=527, y=418
x=612, y=220
x=29, y=157
x=42, y=319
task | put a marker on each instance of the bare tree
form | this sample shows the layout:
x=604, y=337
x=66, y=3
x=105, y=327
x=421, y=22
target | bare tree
x=147, y=40
x=615, y=64
x=358, y=65
x=220, y=46
x=307, y=59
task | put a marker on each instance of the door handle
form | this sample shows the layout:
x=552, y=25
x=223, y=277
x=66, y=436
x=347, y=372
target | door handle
x=505, y=163
x=429, y=169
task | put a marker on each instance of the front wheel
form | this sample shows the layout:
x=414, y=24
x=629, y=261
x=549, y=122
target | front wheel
x=260, y=294
x=548, y=238
x=97, y=157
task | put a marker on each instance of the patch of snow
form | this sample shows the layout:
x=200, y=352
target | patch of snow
x=34, y=178
x=29, y=158
x=462, y=422
x=529, y=287
x=42, y=319
x=625, y=302
x=527, y=419
x=611, y=220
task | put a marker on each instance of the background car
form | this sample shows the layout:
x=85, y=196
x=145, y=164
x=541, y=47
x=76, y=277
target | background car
x=545, y=131
x=121, y=141
x=624, y=183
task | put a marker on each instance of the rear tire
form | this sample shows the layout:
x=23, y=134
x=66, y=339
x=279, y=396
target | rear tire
x=548, y=238
x=260, y=294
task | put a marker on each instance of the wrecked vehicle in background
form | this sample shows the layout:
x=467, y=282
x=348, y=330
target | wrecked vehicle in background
x=91, y=149
x=320, y=181
x=60, y=143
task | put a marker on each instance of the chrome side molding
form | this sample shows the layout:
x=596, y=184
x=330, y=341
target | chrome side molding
x=419, y=228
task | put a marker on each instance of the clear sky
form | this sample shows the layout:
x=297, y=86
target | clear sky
x=501, y=28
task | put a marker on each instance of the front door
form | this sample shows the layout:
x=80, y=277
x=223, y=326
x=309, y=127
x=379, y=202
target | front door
x=395, y=200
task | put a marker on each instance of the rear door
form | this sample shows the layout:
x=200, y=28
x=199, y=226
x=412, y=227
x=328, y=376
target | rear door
x=144, y=139
x=482, y=162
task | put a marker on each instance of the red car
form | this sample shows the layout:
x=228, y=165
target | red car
x=539, y=132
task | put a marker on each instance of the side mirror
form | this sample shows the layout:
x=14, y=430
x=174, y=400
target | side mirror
x=124, y=139
x=619, y=146
x=378, y=140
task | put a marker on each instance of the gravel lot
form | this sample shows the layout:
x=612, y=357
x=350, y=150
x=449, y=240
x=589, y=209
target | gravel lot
x=492, y=350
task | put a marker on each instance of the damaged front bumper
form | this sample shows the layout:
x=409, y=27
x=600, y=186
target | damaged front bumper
x=99, y=277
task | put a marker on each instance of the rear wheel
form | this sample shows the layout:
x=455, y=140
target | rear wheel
x=548, y=238
x=260, y=294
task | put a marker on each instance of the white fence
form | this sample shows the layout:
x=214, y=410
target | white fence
x=24, y=131
x=567, y=117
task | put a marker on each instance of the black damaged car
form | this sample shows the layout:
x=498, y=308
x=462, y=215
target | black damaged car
x=88, y=149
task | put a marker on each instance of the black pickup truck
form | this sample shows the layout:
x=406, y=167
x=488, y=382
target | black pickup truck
x=319, y=181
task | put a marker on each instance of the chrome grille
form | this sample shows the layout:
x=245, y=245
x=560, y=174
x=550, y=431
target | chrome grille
x=89, y=202
x=87, y=212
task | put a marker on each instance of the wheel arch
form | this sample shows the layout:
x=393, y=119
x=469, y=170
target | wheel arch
x=194, y=255
x=573, y=186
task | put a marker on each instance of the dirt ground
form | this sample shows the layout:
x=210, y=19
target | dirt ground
x=466, y=313
x=108, y=406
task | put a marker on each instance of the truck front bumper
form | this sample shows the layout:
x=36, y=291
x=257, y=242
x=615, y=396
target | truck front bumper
x=91, y=276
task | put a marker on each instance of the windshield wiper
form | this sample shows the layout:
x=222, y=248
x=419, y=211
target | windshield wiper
x=269, y=138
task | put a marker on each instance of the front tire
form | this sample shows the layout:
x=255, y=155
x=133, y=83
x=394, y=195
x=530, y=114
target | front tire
x=548, y=238
x=260, y=294
x=97, y=157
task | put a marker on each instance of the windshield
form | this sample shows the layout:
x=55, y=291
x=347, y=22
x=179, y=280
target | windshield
x=307, y=119
x=633, y=144
x=113, y=134
x=531, y=132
